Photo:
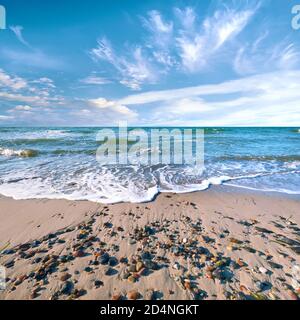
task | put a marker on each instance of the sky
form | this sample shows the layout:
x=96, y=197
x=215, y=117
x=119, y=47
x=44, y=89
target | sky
x=162, y=63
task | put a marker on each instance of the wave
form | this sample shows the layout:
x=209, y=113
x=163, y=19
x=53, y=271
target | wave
x=296, y=130
x=281, y=158
x=34, y=141
x=27, y=153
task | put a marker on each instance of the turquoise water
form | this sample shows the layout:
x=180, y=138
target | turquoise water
x=61, y=163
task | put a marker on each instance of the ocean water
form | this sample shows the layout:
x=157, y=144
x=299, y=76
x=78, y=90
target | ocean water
x=60, y=163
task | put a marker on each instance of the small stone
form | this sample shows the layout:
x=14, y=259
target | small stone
x=139, y=265
x=236, y=241
x=110, y=271
x=9, y=264
x=132, y=241
x=67, y=287
x=275, y=265
x=131, y=279
x=176, y=266
x=132, y=268
x=33, y=295
x=79, y=254
x=187, y=285
x=104, y=258
x=79, y=292
x=117, y=296
x=113, y=261
x=292, y=295
x=262, y=270
x=149, y=294
x=98, y=283
x=88, y=269
x=132, y=295
x=65, y=277
x=240, y=262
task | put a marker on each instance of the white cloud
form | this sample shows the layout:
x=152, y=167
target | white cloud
x=280, y=82
x=95, y=80
x=22, y=108
x=256, y=57
x=5, y=117
x=12, y=82
x=267, y=99
x=198, y=45
x=187, y=46
x=135, y=69
x=112, y=110
x=39, y=92
x=156, y=23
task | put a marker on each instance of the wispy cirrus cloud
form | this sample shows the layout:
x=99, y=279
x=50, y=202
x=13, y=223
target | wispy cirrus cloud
x=258, y=57
x=134, y=69
x=17, y=30
x=197, y=45
x=29, y=56
x=184, y=44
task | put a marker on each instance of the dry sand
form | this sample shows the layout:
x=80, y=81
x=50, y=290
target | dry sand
x=216, y=244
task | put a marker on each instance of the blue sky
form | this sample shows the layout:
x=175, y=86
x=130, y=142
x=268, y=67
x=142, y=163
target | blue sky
x=199, y=63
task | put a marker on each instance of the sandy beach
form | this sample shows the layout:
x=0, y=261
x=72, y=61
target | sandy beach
x=216, y=244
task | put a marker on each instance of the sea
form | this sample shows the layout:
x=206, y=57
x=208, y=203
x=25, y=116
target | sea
x=60, y=163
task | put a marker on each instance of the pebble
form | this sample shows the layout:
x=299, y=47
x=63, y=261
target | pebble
x=292, y=295
x=176, y=266
x=117, y=296
x=131, y=279
x=113, y=261
x=65, y=277
x=104, y=258
x=132, y=241
x=139, y=265
x=33, y=295
x=149, y=294
x=98, y=283
x=79, y=254
x=132, y=295
x=110, y=271
x=262, y=270
x=66, y=287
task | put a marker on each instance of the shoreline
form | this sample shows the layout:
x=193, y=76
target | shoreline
x=214, y=244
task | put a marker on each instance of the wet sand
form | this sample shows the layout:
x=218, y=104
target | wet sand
x=216, y=244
